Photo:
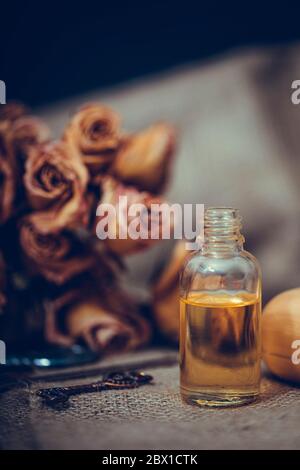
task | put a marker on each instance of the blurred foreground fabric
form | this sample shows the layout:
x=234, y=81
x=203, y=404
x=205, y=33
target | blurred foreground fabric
x=239, y=145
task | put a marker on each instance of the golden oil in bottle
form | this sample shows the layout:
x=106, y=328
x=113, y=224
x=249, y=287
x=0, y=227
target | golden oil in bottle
x=220, y=348
x=220, y=317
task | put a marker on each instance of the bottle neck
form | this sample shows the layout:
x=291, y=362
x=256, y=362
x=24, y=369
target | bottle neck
x=222, y=236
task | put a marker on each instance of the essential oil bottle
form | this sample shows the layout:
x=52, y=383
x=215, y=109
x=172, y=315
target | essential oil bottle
x=220, y=317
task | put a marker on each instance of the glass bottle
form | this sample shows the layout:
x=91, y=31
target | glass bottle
x=220, y=317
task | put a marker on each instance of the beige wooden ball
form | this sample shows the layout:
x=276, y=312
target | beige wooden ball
x=280, y=329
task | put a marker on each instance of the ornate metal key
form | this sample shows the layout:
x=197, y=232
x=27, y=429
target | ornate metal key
x=115, y=380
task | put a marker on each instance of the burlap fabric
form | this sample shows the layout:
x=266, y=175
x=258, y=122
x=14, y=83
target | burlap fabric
x=151, y=417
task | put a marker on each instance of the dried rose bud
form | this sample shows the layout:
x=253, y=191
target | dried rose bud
x=55, y=182
x=144, y=158
x=94, y=132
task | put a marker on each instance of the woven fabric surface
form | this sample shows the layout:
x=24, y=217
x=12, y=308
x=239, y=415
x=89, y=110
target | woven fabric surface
x=151, y=417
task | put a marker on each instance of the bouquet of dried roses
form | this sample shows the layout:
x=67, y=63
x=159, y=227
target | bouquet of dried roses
x=58, y=281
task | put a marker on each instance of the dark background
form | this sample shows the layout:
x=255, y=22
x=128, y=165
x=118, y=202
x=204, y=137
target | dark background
x=53, y=50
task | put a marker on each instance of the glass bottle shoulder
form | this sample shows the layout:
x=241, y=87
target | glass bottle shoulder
x=206, y=264
x=238, y=271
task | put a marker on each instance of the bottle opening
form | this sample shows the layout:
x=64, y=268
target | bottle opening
x=222, y=228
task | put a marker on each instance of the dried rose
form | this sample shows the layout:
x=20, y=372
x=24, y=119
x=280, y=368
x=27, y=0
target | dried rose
x=144, y=158
x=114, y=227
x=90, y=318
x=58, y=257
x=94, y=132
x=55, y=183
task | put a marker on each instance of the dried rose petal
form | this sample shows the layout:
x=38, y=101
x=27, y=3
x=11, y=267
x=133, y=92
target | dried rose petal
x=144, y=159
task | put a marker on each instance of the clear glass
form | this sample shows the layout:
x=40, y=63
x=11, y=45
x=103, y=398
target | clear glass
x=220, y=317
